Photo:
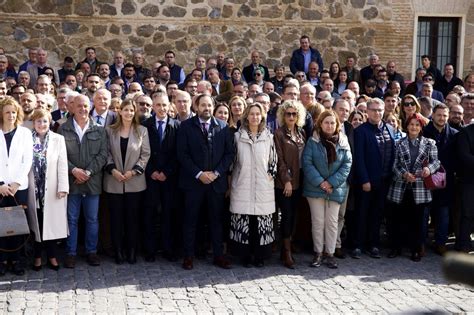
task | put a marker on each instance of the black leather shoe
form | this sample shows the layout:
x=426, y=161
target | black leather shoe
x=247, y=262
x=188, y=263
x=416, y=257
x=53, y=267
x=394, y=253
x=17, y=269
x=36, y=268
x=132, y=257
x=258, y=262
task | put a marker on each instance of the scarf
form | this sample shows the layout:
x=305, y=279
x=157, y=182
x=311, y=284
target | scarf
x=39, y=167
x=329, y=142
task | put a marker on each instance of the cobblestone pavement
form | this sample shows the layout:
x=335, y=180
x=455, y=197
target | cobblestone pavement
x=358, y=286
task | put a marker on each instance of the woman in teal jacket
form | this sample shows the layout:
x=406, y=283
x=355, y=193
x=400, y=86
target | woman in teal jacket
x=327, y=161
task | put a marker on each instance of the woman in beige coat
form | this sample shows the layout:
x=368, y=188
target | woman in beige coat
x=48, y=189
x=129, y=151
x=252, y=198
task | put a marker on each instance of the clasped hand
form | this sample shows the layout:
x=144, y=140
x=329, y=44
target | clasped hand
x=207, y=177
x=326, y=186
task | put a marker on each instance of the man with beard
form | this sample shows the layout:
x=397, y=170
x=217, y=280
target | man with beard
x=93, y=84
x=144, y=104
x=104, y=74
x=28, y=104
x=456, y=117
x=67, y=68
x=190, y=86
x=205, y=152
x=176, y=72
x=163, y=75
x=129, y=75
x=90, y=59
x=149, y=84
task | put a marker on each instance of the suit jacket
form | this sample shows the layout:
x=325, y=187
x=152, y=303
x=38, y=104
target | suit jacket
x=353, y=75
x=56, y=115
x=247, y=72
x=163, y=156
x=197, y=153
x=113, y=71
x=367, y=158
x=138, y=153
x=465, y=153
x=225, y=91
x=297, y=60
x=349, y=132
x=427, y=152
x=14, y=167
x=109, y=119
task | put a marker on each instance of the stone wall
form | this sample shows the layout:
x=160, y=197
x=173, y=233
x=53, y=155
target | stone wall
x=204, y=27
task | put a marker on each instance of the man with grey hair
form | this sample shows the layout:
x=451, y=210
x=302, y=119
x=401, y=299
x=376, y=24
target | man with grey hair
x=350, y=97
x=101, y=114
x=37, y=69
x=5, y=72
x=116, y=90
x=204, y=87
x=145, y=105
x=342, y=108
x=24, y=78
x=354, y=87
x=183, y=105
x=374, y=152
x=325, y=98
x=43, y=84
x=69, y=100
x=368, y=71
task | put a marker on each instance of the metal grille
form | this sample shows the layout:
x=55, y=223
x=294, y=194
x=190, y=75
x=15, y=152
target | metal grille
x=438, y=38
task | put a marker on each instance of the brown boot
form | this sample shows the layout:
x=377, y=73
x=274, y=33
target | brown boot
x=288, y=261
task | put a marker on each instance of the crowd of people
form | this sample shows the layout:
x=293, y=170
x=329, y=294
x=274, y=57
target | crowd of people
x=223, y=159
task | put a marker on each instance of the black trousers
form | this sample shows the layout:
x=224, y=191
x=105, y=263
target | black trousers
x=288, y=207
x=124, y=215
x=467, y=217
x=11, y=243
x=408, y=220
x=50, y=245
x=215, y=207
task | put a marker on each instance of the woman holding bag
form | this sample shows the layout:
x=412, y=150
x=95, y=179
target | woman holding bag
x=16, y=157
x=416, y=158
x=47, y=190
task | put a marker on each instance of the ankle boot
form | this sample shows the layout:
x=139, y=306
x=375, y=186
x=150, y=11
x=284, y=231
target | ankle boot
x=288, y=261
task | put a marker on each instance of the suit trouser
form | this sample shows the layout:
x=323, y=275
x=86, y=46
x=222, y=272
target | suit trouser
x=194, y=199
x=324, y=214
x=368, y=216
x=467, y=216
x=158, y=194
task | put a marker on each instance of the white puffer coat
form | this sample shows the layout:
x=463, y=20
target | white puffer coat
x=252, y=181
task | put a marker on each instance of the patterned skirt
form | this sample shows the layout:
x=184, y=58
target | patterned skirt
x=251, y=234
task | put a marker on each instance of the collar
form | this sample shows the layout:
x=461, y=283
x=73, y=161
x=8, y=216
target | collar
x=164, y=120
x=104, y=114
x=208, y=122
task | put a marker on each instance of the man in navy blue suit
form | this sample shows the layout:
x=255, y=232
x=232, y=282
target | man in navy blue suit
x=161, y=176
x=374, y=151
x=205, y=152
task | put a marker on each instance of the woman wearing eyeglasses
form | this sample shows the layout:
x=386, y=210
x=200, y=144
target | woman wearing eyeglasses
x=416, y=157
x=290, y=139
x=410, y=106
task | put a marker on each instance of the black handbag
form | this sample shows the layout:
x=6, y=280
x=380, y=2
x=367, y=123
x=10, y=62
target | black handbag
x=13, y=221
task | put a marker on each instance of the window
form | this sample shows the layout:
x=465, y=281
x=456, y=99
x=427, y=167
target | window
x=438, y=38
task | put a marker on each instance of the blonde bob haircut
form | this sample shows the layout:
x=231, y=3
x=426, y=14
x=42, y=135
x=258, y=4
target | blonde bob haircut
x=300, y=110
x=324, y=115
x=41, y=113
x=10, y=101
x=244, y=119
x=136, y=119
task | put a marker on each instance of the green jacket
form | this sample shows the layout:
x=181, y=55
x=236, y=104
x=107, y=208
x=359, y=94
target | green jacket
x=90, y=155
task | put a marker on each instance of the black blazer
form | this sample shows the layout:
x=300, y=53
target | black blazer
x=349, y=131
x=197, y=153
x=247, y=72
x=163, y=156
x=56, y=115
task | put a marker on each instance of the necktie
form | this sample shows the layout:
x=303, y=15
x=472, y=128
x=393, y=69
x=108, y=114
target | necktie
x=204, y=129
x=160, y=130
x=98, y=120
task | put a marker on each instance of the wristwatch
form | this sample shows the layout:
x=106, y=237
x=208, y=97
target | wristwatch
x=88, y=173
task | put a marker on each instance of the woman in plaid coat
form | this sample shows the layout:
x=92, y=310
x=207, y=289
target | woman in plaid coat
x=416, y=157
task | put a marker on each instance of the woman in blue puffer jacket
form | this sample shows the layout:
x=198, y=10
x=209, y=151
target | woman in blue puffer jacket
x=327, y=161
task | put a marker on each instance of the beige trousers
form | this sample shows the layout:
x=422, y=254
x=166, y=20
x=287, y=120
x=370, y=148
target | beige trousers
x=324, y=218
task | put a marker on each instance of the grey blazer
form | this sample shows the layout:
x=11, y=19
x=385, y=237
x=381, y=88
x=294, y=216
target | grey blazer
x=138, y=153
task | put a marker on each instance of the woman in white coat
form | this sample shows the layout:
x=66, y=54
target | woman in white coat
x=48, y=188
x=16, y=157
x=252, y=198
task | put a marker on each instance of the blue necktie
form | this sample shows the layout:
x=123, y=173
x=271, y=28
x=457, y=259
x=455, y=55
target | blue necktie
x=98, y=120
x=160, y=130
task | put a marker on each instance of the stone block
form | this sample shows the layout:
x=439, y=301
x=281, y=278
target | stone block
x=227, y=11
x=181, y=45
x=150, y=10
x=20, y=34
x=136, y=41
x=145, y=30
x=321, y=33
x=126, y=29
x=205, y=49
x=268, y=2
x=175, y=34
x=215, y=13
x=271, y=12
x=99, y=30
x=336, y=10
x=70, y=28
x=291, y=13
x=358, y=4
x=244, y=11
x=371, y=13
x=114, y=29
x=181, y=3
x=273, y=36
x=128, y=7
x=336, y=41
x=199, y=12
x=83, y=7
x=107, y=9
x=305, y=3
x=307, y=14
x=173, y=11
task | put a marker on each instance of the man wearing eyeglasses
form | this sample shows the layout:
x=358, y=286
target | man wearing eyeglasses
x=374, y=148
x=428, y=90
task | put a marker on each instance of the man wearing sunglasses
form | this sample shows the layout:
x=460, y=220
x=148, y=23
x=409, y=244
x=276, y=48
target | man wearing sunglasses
x=428, y=90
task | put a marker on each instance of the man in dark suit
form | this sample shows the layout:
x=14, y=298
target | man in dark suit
x=61, y=112
x=161, y=179
x=222, y=89
x=117, y=67
x=205, y=153
x=249, y=71
x=101, y=113
x=374, y=150
x=343, y=109
x=302, y=57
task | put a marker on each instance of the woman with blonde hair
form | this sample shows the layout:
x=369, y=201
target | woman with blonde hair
x=48, y=189
x=16, y=158
x=327, y=161
x=252, y=196
x=290, y=139
x=237, y=105
x=129, y=151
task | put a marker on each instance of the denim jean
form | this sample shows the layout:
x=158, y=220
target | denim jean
x=90, y=206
